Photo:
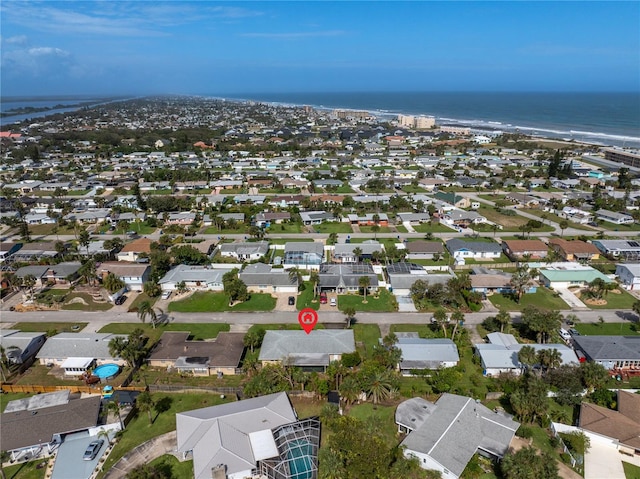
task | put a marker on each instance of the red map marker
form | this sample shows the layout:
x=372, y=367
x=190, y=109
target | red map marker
x=308, y=318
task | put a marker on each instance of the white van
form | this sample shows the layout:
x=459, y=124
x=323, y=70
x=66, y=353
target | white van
x=564, y=334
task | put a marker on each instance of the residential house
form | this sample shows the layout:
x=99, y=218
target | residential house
x=7, y=249
x=626, y=250
x=524, y=249
x=620, y=353
x=244, y=251
x=444, y=436
x=413, y=218
x=94, y=216
x=575, y=250
x=257, y=437
x=182, y=218
x=194, y=278
x=462, y=218
x=303, y=255
x=621, y=427
x=36, y=252
x=461, y=249
x=614, y=217
x=343, y=278
x=629, y=275
x=369, y=219
x=565, y=275
x=37, y=425
x=62, y=273
x=344, y=252
x=77, y=353
x=312, y=352
x=401, y=277
x=524, y=200
x=21, y=347
x=420, y=354
x=39, y=272
x=134, y=275
x=135, y=250
x=316, y=217
x=176, y=351
x=424, y=249
x=268, y=218
x=500, y=355
x=576, y=215
x=453, y=199
x=488, y=281
x=262, y=278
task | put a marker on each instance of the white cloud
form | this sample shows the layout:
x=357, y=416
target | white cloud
x=17, y=40
x=47, y=51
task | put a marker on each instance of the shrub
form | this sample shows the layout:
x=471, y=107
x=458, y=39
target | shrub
x=524, y=432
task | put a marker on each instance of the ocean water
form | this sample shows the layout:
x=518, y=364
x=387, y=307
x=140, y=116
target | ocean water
x=601, y=118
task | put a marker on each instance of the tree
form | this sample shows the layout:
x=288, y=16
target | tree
x=112, y=283
x=527, y=463
x=357, y=252
x=520, y=281
x=593, y=375
x=181, y=287
x=548, y=359
x=458, y=320
x=4, y=457
x=349, y=390
x=84, y=239
x=132, y=348
x=145, y=309
x=527, y=357
x=541, y=322
x=145, y=403
x=441, y=318
x=253, y=338
x=349, y=314
x=364, y=282
x=529, y=401
x=295, y=276
x=114, y=407
x=504, y=318
x=378, y=386
x=314, y=277
x=88, y=271
x=636, y=307
x=563, y=224
x=29, y=281
x=256, y=232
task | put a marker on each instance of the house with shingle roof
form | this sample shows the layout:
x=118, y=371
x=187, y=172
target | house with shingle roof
x=461, y=249
x=420, y=353
x=263, y=278
x=311, y=352
x=244, y=251
x=343, y=278
x=133, y=274
x=135, y=249
x=574, y=250
x=520, y=249
x=444, y=436
x=194, y=277
x=612, y=352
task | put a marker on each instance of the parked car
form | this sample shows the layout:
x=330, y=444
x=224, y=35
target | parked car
x=564, y=334
x=166, y=295
x=574, y=332
x=92, y=450
x=333, y=302
x=120, y=300
x=323, y=298
x=291, y=301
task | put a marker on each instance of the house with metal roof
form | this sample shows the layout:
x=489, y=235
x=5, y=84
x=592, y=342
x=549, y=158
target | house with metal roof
x=257, y=437
x=444, y=436
x=20, y=346
x=78, y=352
x=194, y=277
x=344, y=278
x=419, y=353
x=565, y=276
x=263, y=278
x=500, y=355
x=629, y=275
x=612, y=352
x=626, y=250
x=461, y=249
x=244, y=251
x=312, y=351
x=344, y=252
x=614, y=217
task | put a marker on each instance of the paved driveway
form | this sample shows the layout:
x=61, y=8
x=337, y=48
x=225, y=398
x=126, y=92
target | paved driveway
x=69, y=463
x=602, y=461
x=571, y=299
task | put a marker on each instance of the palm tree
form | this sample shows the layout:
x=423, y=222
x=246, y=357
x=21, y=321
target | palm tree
x=440, y=317
x=357, y=252
x=349, y=390
x=458, y=320
x=295, y=276
x=4, y=457
x=364, y=282
x=104, y=433
x=314, y=277
x=379, y=386
x=349, y=313
x=4, y=364
x=29, y=281
x=504, y=318
x=145, y=308
x=145, y=403
x=563, y=224
x=527, y=357
x=114, y=407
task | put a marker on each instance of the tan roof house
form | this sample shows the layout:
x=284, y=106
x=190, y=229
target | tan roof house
x=520, y=249
x=575, y=250
x=132, y=251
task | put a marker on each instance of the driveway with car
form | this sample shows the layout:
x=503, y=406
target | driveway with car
x=69, y=460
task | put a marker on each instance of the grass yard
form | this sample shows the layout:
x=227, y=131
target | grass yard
x=509, y=223
x=608, y=329
x=543, y=298
x=432, y=228
x=631, y=471
x=383, y=416
x=555, y=218
x=199, y=331
x=628, y=227
x=50, y=326
x=367, y=335
x=139, y=299
x=27, y=470
x=385, y=302
x=139, y=430
x=333, y=227
x=174, y=468
x=37, y=230
x=213, y=230
x=285, y=228
x=166, y=191
x=369, y=229
x=281, y=241
x=401, y=229
x=423, y=330
x=84, y=302
x=623, y=300
x=305, y=298
x=209, y=302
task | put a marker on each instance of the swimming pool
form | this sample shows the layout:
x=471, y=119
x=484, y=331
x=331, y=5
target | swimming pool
x=300, y=455
x=106, y=371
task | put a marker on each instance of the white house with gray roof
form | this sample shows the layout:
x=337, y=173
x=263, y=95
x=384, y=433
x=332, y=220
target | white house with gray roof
x=244, y=251
x=194, y=278
x=262, y=278
x=20, y=346
x=303, y=255
x=419, y=353
x=312, y=351
x=444, y=436
x=257, y=437
x=460, y=249
x=78, y=352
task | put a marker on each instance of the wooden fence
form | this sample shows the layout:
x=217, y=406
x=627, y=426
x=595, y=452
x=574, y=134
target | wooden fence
x=35, y=389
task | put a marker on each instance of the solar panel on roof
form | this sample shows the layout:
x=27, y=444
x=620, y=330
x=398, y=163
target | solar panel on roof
x=635, y=244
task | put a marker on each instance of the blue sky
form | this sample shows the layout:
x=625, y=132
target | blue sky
x=202, y=47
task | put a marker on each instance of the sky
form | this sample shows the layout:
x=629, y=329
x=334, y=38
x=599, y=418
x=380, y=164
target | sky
x=215, y=48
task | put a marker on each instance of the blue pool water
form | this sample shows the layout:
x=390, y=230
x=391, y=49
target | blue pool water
x=106, y=370
x=300, y=462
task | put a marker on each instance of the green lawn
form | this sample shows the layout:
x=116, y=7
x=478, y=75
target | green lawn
x=401, y=229
x=333, y=227
x=369, y=229
x=206, y=301
x=608, y=329
x=85, y=303
x=285, y=228
x=432, y=228
x=198, y=331
x=50, y=326
x=631, y=471
x=139, y=299
x=554, y=218
x=174, y=468
x=380, y=415
x=543, y=298
x=213, y=230
x=385, y=302
x=368, y=335
x=424, y=330
x=139, y=430
x=166, y=191
x=27, y=470
x=305, y=298
x=616, y=301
